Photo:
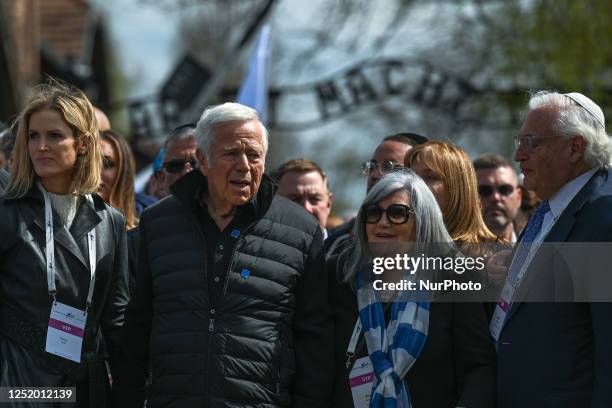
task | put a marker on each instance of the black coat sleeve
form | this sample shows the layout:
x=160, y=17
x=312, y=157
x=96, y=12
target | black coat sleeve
x=130, y=386
x=602, y=332
x=313, y=334
x=113, y=313
x=475, y=356
x=599, y=262
x=114, y=310
x=133, y=238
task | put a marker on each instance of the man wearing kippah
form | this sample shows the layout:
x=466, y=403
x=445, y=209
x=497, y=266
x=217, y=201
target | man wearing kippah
x=553, y=353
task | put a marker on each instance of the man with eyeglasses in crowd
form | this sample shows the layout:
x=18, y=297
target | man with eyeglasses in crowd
x=388, y=156
x=500, y=195
x=175, y=159
x=552, y=351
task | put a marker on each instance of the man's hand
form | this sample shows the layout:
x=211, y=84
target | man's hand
x=497, y=268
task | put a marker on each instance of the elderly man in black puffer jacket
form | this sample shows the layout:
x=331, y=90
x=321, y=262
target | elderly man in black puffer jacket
x=231, y=298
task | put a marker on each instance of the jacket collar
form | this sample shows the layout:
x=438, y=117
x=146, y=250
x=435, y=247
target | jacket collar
x=192, y=187
x=565, y=222
x=84, y=221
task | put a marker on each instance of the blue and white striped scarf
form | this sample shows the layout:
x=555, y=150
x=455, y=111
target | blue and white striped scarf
x=393, y=347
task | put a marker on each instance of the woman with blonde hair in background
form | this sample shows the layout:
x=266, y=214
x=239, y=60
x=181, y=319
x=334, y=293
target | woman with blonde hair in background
x=118, y=174
x=117, y=189
x=63, y=257
x=448, y=172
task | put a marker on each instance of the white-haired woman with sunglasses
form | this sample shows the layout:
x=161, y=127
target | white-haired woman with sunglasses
x=419, y=353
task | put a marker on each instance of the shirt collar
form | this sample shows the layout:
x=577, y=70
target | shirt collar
x=513, y=238
x=561, y=199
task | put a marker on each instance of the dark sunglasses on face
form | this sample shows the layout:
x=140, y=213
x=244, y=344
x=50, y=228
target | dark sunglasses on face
x=177, y=165
x=396, y=213
x=385, y=167
x=504, y=189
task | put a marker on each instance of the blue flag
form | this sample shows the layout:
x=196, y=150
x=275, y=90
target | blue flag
x=254, y=89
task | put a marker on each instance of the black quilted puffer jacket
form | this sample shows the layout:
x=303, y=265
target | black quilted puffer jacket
x=267, y=343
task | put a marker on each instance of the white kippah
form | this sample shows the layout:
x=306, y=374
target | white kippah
x=589, y=106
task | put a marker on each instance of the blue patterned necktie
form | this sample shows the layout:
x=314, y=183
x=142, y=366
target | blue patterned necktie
x=531, y=232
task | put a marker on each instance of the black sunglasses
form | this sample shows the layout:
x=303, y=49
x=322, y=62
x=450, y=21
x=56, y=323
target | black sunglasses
x=177, y=165
x=396, y=213
x=504, y=189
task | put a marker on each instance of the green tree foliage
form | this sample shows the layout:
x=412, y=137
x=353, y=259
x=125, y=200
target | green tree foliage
x=544, y=44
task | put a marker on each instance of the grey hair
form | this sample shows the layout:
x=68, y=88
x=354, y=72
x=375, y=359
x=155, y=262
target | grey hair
x=429, y=223
x=214, y=116
x=574, y=120
x=183, y=133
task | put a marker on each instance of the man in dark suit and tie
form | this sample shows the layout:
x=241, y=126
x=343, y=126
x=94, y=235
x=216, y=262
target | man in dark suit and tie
x=554, y=353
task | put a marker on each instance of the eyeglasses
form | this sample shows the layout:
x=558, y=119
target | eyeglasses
x=396, y=213
x=385, y=167
x=504, y=189
x=530, y=142
x=177, y=165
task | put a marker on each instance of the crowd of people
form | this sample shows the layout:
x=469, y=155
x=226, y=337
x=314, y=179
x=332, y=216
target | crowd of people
x=224, y=285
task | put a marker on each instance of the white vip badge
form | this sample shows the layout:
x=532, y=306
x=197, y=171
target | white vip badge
x=361, y=380
x=65, y=332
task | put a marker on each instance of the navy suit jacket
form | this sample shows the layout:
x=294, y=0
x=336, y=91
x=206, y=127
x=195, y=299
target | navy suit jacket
x=558, y=352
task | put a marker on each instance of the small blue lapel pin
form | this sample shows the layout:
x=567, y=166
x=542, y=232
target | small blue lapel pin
x=245, y=273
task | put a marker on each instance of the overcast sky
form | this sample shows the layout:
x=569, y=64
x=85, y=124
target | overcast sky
x=145, y=38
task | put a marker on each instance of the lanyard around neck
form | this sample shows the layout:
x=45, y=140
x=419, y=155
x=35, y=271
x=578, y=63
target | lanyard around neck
x=350, y=351
x=50, y=251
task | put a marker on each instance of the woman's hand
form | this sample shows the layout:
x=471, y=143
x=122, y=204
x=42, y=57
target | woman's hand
x=497, y=267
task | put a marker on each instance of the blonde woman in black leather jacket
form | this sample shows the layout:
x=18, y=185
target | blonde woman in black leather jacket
x=62, y=253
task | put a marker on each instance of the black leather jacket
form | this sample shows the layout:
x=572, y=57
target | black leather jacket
x=25, y=303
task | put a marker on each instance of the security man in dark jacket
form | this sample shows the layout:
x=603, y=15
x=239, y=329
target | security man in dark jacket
x=231, y=296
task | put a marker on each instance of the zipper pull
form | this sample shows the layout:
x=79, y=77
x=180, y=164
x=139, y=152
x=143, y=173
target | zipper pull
x=211, y=325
